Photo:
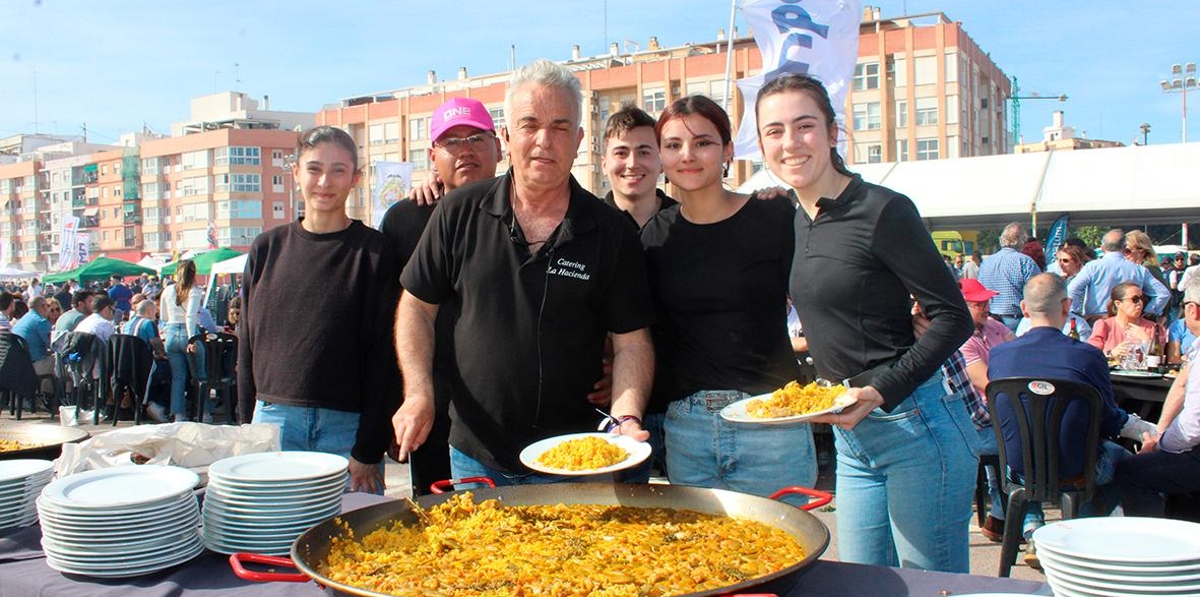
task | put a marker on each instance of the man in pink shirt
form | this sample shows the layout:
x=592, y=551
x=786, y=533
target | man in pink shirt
x=988, y=334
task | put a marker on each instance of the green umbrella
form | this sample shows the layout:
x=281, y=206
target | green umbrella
x=99, y=268
x=203, y=261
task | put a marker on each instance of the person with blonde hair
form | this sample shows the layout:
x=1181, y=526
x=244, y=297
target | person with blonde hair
x=1140, y=250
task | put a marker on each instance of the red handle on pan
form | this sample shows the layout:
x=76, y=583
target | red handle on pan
x=820, y=497
x=235, y=561
x=448, y=484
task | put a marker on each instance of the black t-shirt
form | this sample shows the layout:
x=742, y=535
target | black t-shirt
x=316, y=328
x=664, y=202
x=856, y=264
x=403, y=225
x=720, y=291
x=530, y=329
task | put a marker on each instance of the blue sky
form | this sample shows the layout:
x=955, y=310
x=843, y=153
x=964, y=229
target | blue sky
x=117, y=65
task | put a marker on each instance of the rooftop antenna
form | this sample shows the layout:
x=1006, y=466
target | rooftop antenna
x=35, y=103
x=237, y=77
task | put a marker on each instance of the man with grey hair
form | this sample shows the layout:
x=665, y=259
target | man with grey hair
x=1091, y=288
x=1006, y=273
x=537, y=272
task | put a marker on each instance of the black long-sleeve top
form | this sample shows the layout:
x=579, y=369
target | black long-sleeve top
x=316, y=328
x=855, y=266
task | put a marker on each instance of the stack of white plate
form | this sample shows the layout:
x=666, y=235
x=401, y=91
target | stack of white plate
x=262, y=502
x=121, y=522
x=20, y=483
x=1119, y=557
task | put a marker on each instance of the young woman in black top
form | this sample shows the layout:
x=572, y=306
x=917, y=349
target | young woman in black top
x=906, y=450
x=718, y=265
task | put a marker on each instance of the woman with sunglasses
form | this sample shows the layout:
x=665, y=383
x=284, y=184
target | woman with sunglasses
x=1070, y=260
x=1124, y=328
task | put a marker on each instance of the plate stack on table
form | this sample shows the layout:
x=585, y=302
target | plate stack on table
x=1119, y=557
x=20, y=483
x=261, y=502
x=121, y=522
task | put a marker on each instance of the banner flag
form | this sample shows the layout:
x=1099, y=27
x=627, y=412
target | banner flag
x=392, y=182
x=814, y=37
x=82, y=249
x=1056, y=236
x=68, y=257
x=211, y=237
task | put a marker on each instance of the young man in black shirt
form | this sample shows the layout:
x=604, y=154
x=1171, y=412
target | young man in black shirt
x=633, y=166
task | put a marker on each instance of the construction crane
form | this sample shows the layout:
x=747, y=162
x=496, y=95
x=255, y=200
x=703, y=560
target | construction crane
x=1016, y=106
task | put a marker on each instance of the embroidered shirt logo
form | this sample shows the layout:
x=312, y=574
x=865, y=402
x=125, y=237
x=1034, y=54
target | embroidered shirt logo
x=570, y=269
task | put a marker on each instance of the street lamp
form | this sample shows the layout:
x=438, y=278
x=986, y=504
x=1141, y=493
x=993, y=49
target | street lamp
x=289, y=161
x=1182, y=78
x=1145, y=133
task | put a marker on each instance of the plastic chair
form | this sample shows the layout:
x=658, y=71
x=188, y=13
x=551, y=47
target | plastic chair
x=1039, y=415
x=18, y=380
x=982, y=499
x=132, y=364
x=214, y=371
x=84, y=359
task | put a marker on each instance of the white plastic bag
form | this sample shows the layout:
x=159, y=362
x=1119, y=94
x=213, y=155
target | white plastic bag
x=189, y=445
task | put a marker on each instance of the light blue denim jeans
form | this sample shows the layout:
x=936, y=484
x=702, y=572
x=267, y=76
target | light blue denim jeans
x=463, y=466
x=176, y=347
x=705, y=450
x=987, y=447
x=905, y=483
x=304, y=429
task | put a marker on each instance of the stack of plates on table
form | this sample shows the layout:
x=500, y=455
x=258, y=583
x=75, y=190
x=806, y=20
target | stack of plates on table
x=1119, y=557
x=121, y=522
x=262, y=502
x=20, y=483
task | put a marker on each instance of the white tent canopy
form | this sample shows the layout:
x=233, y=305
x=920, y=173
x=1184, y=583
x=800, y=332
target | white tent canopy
x=1144, y=184
x=235, y=265
x=10, y=272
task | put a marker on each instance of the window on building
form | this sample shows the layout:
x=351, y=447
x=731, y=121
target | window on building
x=238, y=183
x=277, y=154
x=239, y=210
x=901, y=150
x=654, y=100
x=902, y=113
x=277, y=210
x=866, y=76
x=951, y=62
x=952, y=111
x=418, y=128
x=867, y=116
x=237, y=156
x=497, y=115
x=419, y=158
x=391, y=132
x=276, y=183
x=927, y=149
x=151, y=191
x=376, y=133
x=927, y=111
x=925, y=70
x=194, y=159
x=188, y=187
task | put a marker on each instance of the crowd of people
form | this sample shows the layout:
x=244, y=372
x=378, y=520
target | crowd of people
x=45, y=316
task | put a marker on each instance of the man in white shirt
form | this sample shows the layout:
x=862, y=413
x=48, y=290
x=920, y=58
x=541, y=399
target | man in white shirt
x=1168, y=463
x=100, y=322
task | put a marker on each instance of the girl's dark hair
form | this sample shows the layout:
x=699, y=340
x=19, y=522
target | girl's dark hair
x=700, y=106
x=815, y=90
x=1119, y=292
x=185, y=279
x=327, y=134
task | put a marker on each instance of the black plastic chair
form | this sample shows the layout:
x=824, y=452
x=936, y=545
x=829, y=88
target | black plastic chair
x=84, y=359
x=1039, y=414
x=18, y=380
x=982, y=499
x=131, y=361
x=217, y=372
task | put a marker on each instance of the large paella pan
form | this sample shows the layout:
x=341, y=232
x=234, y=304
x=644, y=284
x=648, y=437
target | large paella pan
x=38, y=440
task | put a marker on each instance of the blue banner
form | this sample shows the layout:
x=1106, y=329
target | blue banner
x=1056, y=236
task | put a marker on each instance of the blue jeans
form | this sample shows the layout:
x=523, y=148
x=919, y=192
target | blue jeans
x=176, y=347
x=987, y=447
x=305, y=429
x=463, y=466
x=1103, y=500
x=705, y=450
x=905, y=483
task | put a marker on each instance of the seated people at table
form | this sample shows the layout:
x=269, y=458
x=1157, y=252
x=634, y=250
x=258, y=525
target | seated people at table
x=100, y=322
x=1046, y=352
x=1124, y=329
x=1091, y=288
x=1168, y=464
x=143, y=324
x=320, y=364
x=1180, y=340
x=975, y=352
x=7, y=301
x=1082, y=327
x=35, y=329
x=82, y=299
x=715, y=346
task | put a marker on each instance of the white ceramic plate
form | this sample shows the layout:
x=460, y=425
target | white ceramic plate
x=1066, y=585
x=123, y=515
x=250, y=514
x=1135, y=373
x=127, y=569
x=1123, y=540
x=20, y=521
x=86, y=538
x=736, y=412
x=276, y=498
x=18, y=470
x=270, y=549
x=249, y=540
x=1079, y=567
x=120, y=487
x=273, y=467
x=146, y=548
x=638, y=452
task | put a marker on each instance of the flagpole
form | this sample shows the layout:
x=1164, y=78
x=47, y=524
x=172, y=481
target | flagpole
x=729, y=56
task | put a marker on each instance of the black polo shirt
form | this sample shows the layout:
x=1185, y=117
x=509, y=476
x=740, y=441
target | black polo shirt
x=664, y=202
x=855, y=266
x=529, y=330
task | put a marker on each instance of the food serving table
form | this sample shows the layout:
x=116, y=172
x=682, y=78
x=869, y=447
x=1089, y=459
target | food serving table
x=23, y=572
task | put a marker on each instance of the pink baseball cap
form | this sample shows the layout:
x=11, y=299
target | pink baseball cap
x=460, y=110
